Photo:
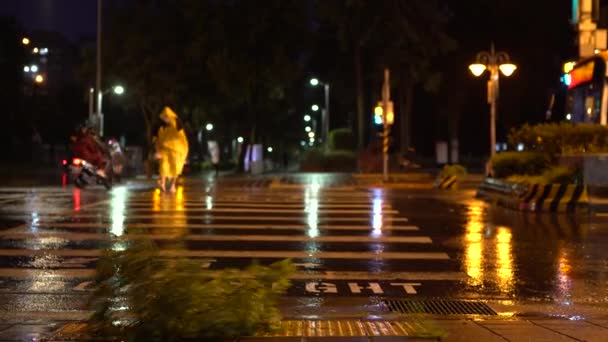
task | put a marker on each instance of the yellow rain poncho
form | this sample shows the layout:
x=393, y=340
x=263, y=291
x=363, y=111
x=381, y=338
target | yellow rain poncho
x=171, y=145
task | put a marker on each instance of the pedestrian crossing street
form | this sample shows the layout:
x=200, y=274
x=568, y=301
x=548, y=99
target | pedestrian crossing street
x=344, y=242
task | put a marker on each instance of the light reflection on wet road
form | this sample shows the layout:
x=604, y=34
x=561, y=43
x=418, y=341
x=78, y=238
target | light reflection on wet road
x=345, y=241
x=521, y=256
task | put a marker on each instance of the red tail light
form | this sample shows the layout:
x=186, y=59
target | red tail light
x=77, y=161
x=64, y=162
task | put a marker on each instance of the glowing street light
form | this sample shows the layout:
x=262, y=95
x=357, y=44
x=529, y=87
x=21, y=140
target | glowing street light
x=269, y=149
x=119, y=90
x=35, y=50
x=307, y=118
x=477, y=69
x=308, y=129
x=314, y=82
x=209, y=127
x=493, y=62
x=25, y=41
x=39, y=79
x=507, y=69
x=311, y=135
x=26, y=68
x=240, y=140
x=315, y=108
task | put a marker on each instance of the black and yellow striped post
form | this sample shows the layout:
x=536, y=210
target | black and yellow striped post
x=448, y=183
x=386, y=139
x=385, y=108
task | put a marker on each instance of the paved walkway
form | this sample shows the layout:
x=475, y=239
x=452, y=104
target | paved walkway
x=455, y=330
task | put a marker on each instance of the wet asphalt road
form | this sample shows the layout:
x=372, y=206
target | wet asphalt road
x=347, y=241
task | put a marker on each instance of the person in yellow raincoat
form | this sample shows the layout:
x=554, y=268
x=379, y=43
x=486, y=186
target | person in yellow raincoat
x=171, y=149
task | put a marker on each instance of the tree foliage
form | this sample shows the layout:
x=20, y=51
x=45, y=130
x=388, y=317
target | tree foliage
x=231, y=62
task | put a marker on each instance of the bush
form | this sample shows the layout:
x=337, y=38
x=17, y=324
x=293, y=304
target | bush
x=554, y=175
x=335, y=161
x=342, y=139
x=556, y=139
x=312, y=160
x=174, y=299
x=452, y=170
x=340, y=161
x=519, y=163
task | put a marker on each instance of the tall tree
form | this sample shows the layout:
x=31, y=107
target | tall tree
x=404, y=36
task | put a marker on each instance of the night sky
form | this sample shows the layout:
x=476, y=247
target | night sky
x=73, y=18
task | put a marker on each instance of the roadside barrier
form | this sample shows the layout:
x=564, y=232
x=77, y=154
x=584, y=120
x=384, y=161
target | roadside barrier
x=557, y=198
x=447, y=183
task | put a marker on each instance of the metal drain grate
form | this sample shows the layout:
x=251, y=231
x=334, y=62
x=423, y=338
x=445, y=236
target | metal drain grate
x=439, y=307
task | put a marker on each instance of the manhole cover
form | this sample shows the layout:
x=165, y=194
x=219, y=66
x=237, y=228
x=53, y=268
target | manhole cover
x=439, y=307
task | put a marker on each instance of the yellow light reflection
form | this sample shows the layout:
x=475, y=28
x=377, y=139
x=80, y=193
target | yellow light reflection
x=474, y=244
x=179, y=199
x=564, y=281
x=118, y=207
x=505, y=259
x=156, y=200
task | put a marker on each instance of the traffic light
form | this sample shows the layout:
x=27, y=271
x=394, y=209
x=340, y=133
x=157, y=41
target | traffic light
x=378, y=115
x=379, y=111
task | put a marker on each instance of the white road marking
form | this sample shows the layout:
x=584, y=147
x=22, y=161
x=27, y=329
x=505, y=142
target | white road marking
x=262, y=211
x=300, y=275
x=161, y=216
x=297, y=205
x=278, y=254
x=173, y=225
x=33, y=237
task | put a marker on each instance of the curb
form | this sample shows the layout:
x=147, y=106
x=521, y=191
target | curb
x=553, y=198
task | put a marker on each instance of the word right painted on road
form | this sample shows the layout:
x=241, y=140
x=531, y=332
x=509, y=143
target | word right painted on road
x=364, y=288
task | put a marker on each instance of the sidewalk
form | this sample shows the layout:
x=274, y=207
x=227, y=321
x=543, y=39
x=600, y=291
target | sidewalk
x=406, y=329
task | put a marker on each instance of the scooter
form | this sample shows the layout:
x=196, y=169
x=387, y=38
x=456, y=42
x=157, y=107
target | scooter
x=117, y=157
x=84, y=173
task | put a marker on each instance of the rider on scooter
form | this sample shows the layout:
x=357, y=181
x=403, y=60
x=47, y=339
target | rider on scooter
x=87, y=147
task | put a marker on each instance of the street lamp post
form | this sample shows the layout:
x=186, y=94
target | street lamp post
x=494, y=62
x=325, y=119
x=98, y=66
x=118, y=90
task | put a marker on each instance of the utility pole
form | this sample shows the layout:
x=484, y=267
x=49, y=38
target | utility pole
x=387, y=119
x=99, y=121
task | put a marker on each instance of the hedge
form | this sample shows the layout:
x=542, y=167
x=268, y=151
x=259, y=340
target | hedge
x=555, y=139
x=519, y=163
x=341, y=139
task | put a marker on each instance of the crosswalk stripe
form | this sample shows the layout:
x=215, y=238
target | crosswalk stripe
x=216, y=204
x=263, y=211
x=301, y=275
x=243, y=253
x=169, y=225
x=161, y=216
x=33, y=237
